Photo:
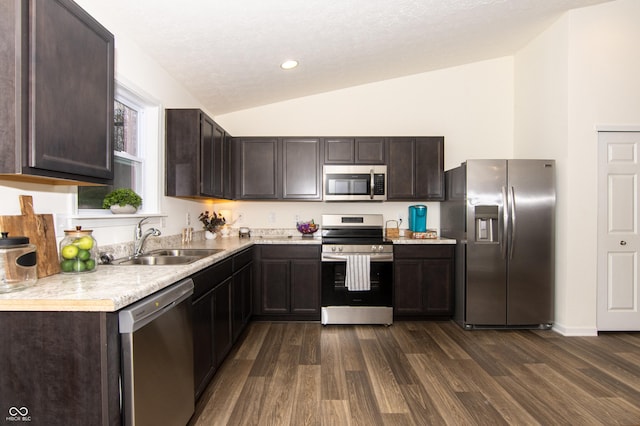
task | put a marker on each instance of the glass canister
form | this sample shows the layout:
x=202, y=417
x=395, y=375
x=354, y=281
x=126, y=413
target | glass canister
x=78, y=251
x=18, y=268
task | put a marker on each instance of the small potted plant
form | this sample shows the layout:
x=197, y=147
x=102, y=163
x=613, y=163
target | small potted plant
x=122, y=200
x=211, y=223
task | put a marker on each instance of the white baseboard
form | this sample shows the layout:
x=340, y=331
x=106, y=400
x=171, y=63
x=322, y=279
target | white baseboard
x=575, y=331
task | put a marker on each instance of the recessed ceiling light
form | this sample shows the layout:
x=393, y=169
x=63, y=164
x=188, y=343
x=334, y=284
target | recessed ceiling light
x=287, y=65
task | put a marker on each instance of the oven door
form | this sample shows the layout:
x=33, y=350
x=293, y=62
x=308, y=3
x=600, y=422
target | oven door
x=335, y=293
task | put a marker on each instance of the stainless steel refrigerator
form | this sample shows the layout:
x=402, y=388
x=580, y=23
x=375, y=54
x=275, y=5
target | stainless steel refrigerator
x=501, y=212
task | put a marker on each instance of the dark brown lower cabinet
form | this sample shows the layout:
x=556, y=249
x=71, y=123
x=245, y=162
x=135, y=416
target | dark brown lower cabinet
x=211, y=321
x=423, y=281
x=221, y=310
x=288, y=284
x=241, y=291
x=60, y=368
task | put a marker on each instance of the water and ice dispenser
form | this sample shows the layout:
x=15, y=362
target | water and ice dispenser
x=486, y=219
x=418, y=218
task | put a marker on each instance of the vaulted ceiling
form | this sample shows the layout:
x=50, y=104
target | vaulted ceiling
x=227, y=53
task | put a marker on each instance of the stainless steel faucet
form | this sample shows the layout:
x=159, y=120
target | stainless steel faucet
x=140, y=237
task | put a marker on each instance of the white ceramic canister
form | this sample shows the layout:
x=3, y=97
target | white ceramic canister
x=18, y=268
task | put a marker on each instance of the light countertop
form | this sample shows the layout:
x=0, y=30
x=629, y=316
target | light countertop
x=111, y=288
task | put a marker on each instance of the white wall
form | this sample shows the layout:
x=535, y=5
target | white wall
x=580, y=73
x=470, y=105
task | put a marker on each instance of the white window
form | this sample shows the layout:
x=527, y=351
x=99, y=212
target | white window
x=136, y=138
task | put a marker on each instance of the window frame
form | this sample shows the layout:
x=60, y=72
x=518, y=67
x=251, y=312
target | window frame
x=150, y=134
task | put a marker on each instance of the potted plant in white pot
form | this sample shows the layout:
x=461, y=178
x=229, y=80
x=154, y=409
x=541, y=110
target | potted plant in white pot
x=211, y=223
x=122, y=201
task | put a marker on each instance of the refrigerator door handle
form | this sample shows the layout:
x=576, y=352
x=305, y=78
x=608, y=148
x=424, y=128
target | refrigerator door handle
x=512, y=239
x=505, y=223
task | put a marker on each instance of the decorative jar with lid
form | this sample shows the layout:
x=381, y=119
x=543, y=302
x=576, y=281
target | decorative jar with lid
x=78, y=251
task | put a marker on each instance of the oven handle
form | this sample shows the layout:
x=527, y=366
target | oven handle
x=343, y=258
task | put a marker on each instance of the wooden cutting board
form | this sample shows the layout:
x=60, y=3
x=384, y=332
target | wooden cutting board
x=41, y=232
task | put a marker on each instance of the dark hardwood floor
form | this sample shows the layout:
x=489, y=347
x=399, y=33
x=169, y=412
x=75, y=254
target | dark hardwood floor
x=423, y=373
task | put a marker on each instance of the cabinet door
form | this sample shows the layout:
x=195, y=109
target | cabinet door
x=63, y=366
x=301, y=168
x=408, y=287
x=437, y=281
x=182, y=161
x=401, y=169
x=203, y=355
x=70, y=93
x=339, y=151
x=257, y=168
x=241, y=294
x=207, y=157
x=429, y=156
x=305, y=286
x=219, y=159
x=370, y=151
x=274, y=286
x=222, y=337
x=227, y=168
x=415, y=168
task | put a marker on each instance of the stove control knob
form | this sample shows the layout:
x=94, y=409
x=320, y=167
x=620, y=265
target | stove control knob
x=333, y=248
x=340, y=248
x=373, y=249
x=380, y=249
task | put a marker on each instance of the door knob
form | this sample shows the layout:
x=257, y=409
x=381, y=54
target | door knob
x=623, y=243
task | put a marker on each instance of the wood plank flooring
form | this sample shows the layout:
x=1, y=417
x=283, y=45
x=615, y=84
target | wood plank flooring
x=423, y=373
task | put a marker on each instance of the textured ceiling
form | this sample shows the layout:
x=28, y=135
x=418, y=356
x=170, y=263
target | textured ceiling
x=227, y=52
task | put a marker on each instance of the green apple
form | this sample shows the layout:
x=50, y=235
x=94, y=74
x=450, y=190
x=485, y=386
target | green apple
x=69, y=252
x=84, y=243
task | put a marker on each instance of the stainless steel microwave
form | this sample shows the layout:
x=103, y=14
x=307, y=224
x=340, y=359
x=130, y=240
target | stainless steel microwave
x=355, y=183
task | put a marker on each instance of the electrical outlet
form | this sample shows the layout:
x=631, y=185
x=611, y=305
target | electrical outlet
x=240, y=217
x=272, y=217
x=297, y=218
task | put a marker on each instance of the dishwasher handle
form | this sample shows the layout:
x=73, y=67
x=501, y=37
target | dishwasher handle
x=146, y=310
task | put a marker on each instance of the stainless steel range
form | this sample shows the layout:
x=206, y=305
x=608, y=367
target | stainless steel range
x=357, y=270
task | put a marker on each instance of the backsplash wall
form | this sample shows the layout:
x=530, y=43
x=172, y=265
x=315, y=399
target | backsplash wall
x=255, y=214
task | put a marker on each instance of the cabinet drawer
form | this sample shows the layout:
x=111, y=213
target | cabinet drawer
x=207, y=279
x=241, y=259
x=286, y=251
x=417, y=251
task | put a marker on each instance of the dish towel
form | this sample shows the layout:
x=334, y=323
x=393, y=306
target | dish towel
x=358, y=272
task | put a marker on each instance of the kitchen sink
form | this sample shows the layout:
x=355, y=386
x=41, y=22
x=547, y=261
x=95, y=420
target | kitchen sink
x=167, y=257
x=183, y=252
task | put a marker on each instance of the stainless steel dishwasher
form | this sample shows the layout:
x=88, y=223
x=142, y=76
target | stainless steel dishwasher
x=157, y=358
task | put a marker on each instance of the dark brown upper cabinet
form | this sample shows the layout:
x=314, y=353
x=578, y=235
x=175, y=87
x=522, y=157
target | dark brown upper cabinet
x=56, y=111
x=301, y=168
x=257, y=168
x=415, y=168
x=196, y=161
x=365, y=150
x=278, y=168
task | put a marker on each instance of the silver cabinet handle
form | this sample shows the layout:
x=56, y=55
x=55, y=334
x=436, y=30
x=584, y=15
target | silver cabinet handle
x=623, y=243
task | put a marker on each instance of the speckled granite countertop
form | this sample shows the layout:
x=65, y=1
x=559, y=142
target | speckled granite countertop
x=111, y=288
